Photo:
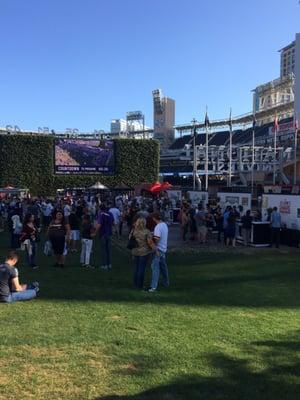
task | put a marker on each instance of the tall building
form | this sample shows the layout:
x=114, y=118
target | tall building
x=288, y=57
x=163, y=119
x=297, y=76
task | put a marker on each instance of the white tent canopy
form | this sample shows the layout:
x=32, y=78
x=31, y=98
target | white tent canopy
x=99, y=186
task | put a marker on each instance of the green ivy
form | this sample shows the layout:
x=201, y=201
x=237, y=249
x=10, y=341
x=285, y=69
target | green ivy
x=27, y=161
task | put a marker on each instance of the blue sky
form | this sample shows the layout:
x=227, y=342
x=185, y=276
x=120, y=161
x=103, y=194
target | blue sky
x=80, y=63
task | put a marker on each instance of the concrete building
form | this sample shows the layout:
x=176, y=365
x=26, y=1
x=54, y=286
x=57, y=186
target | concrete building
x=118, y=125
x=278, y=91
x=297, y=76
x=288, y=59
x=272, y=94
x=163, y=118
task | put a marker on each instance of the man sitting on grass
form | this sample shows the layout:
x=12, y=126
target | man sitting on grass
x=10, y=288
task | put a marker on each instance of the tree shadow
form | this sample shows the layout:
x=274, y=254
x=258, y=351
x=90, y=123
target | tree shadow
x=276, y=378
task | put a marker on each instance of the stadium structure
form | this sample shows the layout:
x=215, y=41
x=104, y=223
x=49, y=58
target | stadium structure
x=260, y=147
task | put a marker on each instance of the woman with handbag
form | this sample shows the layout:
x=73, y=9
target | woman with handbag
x=29, y=239
x=141, y=246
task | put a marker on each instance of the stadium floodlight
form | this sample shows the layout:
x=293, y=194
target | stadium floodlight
x=134, y=115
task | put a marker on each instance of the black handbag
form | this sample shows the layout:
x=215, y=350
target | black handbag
x=132, y=243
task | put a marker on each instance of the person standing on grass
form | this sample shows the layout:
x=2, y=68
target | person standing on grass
x=16, y=231
x=10, y=288
x=246, y=227
x=200, y=218
x=117, y=216
x=230, y=229
x=219, y=222
x=86, y=241
x=275, y=222
x=47, y=209
x=59, y=233
x=159, y=263
x=67, y=209
x=29, y=238
x=104, y=226
x=184, y=221
x=142, y=252
x=75, y=232
x=225, y=222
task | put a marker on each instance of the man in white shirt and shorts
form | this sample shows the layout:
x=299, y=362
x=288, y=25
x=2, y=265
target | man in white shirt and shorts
x=159, y=262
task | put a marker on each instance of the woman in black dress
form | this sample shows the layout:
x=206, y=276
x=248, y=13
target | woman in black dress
x=58, y=233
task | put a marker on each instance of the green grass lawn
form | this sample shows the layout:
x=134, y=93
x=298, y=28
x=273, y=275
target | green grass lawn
x=227, y=328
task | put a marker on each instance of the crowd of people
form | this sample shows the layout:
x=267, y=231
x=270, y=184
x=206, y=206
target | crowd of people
x=65, y=222
x=71, y=224
x=203, y=221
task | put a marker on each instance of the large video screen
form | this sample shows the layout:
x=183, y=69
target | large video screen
x=83, y=156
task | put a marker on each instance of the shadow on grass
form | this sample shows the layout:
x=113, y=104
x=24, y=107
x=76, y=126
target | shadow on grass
x=276, y=378
x=219, y=287
x=203, y=279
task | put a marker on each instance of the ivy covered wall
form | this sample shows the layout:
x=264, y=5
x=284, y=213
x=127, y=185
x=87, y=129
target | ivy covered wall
x=28, y=162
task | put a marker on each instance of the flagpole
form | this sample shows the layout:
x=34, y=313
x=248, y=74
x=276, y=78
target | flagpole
x=275, y=148
x=230, y=150
x=253, y=154
x=295, y=149
x=194, y=154
x=206, y=152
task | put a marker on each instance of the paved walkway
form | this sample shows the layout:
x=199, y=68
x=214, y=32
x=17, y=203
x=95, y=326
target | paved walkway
x=177, y=245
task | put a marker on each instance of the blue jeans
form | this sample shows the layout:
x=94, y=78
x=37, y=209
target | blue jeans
x=27, y=294
x=31, y=258
x=105, y=242
x=159, y=264
x=139, y=272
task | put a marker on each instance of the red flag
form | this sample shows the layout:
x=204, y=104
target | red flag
x=276, y=125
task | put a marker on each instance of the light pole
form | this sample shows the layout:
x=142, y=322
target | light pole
x=194, y=153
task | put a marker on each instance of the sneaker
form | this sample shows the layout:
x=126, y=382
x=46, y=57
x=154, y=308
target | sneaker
x=104, y=267
x=151, y=290
x=89, y=266
x=36, y=286
x=109, y=266
x=35, y=267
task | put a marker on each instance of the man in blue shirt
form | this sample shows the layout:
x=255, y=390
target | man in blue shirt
x=104, y=226
x=275, y=227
